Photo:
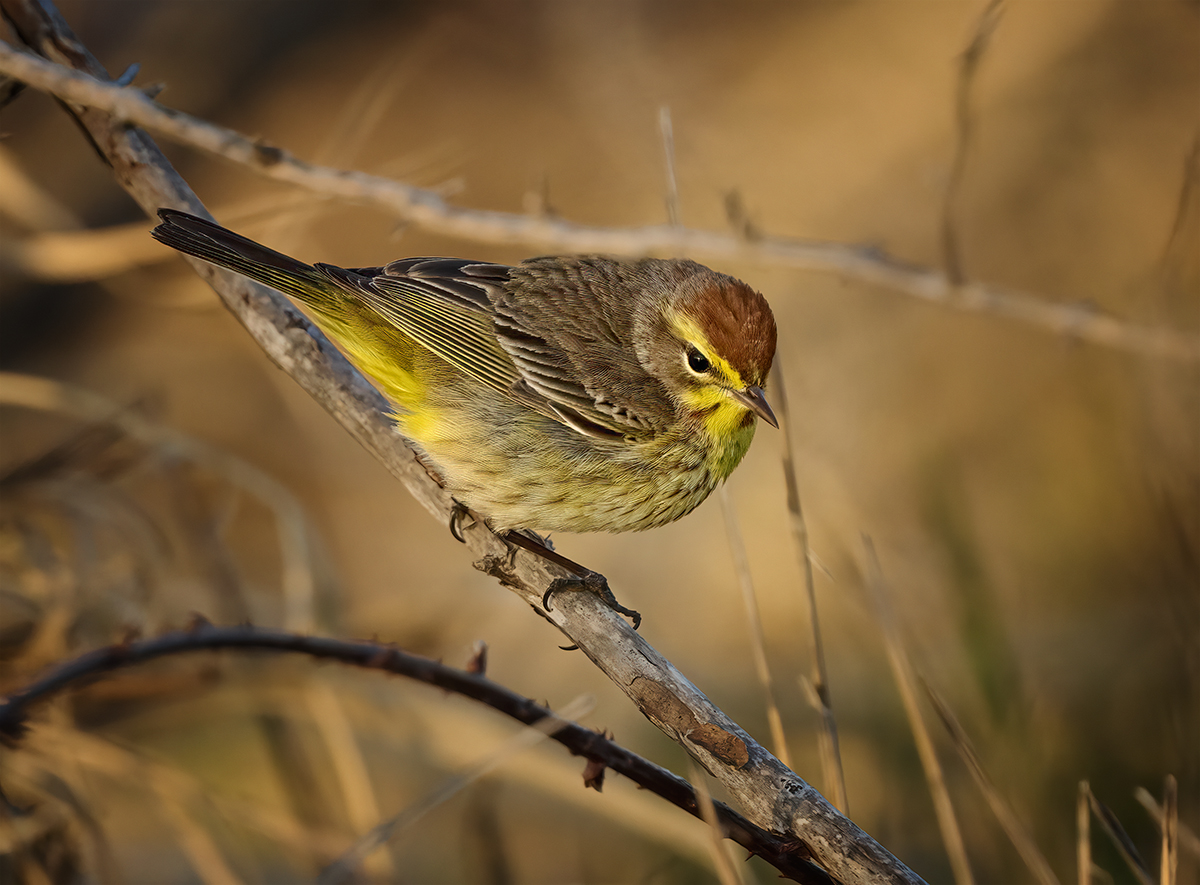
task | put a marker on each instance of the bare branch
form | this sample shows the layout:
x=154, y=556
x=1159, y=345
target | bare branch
x=14, y=711
x=428, y=209
x=76, y=256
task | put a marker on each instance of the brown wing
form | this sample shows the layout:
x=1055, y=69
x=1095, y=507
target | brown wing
x=567, y=324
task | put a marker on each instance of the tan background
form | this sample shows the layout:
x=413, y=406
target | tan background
x=1034, y=501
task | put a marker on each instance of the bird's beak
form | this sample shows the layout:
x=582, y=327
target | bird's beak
x=755, y=400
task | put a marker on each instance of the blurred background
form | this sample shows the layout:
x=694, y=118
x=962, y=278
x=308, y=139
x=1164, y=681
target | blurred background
x=1035, y=501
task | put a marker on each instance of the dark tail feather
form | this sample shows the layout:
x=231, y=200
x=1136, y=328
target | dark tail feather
x=209, y=241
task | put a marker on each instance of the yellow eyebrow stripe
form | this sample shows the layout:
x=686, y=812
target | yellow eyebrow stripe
x=687, y=329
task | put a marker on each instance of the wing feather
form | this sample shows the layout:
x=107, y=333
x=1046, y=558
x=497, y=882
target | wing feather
x=450, y=317
x=556, y=334
x=568, y=325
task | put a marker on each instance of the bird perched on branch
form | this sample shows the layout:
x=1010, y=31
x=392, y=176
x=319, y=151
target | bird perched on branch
x=568, y=393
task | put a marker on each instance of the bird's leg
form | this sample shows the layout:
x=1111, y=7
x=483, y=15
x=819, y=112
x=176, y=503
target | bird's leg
x=584, y=578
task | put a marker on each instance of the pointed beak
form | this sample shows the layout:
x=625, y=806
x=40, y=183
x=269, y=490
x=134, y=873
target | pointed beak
x=755, y=400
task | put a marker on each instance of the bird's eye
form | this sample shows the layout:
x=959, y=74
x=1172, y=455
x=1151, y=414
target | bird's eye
x=697, y=361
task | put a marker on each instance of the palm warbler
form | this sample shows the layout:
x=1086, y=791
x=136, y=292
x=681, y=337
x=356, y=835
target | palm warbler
x=572, y=393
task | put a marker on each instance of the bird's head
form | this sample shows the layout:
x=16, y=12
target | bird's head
x=713, y=344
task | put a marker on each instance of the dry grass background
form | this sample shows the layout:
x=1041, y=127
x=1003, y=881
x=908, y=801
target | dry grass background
x=1035, y=502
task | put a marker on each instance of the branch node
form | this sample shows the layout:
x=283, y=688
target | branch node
x=593, y=775
x=267, y=155
x=498, y=567
x=477, y=664
x=128, y=76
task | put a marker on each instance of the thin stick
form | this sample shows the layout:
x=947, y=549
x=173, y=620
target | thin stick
x=1083, y=835
x=758, y=642
x=727, y=872
x=968, y=68
x=906, y=683
x=817, y=685
x=1181, y=240
x=197, y=844
x=668, y=139
x=1186, y=839
x=1016, y=831
x=352, y=772
x=344, y=867
x=429, y=209
x=1116, y=832
x=1170, y=832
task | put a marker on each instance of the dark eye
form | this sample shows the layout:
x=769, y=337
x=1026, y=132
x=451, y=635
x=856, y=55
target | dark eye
x=697, y=361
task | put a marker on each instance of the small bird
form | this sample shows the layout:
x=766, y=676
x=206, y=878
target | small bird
x=578, y=393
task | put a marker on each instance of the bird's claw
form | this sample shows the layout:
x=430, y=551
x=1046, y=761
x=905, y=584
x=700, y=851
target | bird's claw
x=593, y=582
x=458, y=513
x=582, y=579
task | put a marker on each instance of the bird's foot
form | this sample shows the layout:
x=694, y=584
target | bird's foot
x=582, y=579
x=592, y=582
